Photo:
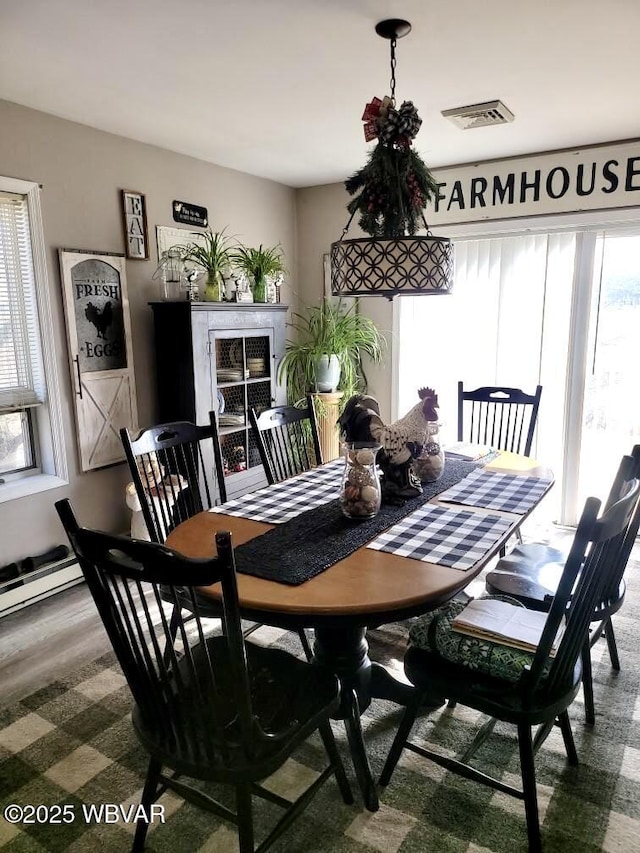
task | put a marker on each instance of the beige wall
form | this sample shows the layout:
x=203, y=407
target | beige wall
x=82, y=171
x=322, y=214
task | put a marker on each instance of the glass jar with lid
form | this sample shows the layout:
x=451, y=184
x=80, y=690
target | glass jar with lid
x=360, y=493
x=429, y=466
x=170, y=274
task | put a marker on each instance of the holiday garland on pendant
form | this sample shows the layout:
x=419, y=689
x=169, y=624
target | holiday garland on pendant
x=394, y=187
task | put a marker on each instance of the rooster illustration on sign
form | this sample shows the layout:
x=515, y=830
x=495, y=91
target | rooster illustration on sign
x=100, y=319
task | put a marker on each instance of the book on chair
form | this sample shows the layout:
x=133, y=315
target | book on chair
x=504, y=623
x=469, y=452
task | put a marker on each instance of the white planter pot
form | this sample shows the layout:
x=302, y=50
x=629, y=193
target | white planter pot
x=327, y=373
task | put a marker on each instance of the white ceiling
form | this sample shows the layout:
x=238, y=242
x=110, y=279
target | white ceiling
x=277, y=87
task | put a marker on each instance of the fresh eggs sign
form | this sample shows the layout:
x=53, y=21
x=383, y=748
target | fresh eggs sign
x=96, y=307
x=97, y=302
x=592, y=178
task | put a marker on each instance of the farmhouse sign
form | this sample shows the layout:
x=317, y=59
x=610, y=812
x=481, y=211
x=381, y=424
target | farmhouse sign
x=592, y=178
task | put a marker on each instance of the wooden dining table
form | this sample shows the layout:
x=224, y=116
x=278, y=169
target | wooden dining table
x=367, y=589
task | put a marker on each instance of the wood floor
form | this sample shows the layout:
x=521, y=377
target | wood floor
x=47, y=640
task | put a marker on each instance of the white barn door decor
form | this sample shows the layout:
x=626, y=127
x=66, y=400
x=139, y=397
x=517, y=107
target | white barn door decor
x=99, y=337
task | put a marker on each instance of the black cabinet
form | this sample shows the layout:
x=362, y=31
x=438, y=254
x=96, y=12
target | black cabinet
x=222, y=358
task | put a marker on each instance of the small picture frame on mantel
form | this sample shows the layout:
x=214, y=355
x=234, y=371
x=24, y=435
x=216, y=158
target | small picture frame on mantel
x=134, y=213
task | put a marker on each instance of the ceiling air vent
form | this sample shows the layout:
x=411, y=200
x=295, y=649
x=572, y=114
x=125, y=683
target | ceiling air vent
x=479, y=115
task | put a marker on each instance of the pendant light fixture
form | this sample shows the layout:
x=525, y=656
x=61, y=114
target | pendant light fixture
x=390, y=193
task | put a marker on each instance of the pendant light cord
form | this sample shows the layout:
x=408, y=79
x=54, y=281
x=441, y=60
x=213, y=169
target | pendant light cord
x=393, y=71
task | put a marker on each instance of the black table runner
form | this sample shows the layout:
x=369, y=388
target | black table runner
x=305, y=546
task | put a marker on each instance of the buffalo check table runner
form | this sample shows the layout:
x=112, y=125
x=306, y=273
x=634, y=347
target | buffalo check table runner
x=315, y=539
x=448, y=537
x=288, y=499
x=504, y=492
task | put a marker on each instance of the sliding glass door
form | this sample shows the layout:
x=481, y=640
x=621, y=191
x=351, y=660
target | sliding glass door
x=559, y=309
x=611, y=392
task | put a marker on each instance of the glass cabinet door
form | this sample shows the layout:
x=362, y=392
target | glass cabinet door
x=242, y=379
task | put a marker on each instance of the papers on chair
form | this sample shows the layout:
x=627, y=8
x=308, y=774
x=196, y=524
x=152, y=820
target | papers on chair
x=504, y=623
x=469, y=452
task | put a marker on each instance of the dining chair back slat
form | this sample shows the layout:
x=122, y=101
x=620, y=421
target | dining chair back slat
x=177, y=693
x=504, y=418
x=287, y=440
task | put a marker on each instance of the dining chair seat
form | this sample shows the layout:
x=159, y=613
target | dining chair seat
x=530, y=572
x=286, y=693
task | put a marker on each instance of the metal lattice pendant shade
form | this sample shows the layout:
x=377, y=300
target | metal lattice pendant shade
x=389, y=267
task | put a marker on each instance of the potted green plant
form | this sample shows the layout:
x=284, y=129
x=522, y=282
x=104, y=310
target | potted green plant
x=259, y=264
x=327, y=334
x=214, y=257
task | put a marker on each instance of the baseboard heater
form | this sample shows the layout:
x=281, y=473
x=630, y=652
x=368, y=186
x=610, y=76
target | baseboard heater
x=39, y=583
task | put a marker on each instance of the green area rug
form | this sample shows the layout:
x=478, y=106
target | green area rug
x=72, y=743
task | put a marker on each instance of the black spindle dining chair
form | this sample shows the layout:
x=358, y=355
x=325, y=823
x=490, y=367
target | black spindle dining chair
x=177, y=472
x=211, y=709
x=542, y=691
x=189, y=455
x=504, y=418
x=288, y=443
x=531, y=573
x=287, y=440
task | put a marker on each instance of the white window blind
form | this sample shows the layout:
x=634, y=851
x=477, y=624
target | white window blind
x=21, y=374
x=506, y=322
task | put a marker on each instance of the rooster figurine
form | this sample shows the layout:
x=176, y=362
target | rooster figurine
x=402, y=442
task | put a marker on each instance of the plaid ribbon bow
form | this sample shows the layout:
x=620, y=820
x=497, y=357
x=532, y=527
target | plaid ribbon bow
x=382, y=120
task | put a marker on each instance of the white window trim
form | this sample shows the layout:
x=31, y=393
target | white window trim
x=51, y=444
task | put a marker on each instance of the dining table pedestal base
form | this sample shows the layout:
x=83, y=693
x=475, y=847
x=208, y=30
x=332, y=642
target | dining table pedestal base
x=345, y=651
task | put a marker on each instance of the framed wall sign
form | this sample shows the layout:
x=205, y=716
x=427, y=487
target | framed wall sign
x=169, y=237
x=96, y=306
x=190, y=214
x=134, y=213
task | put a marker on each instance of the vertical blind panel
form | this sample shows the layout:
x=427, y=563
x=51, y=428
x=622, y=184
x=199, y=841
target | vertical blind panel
x=505, y=322
x=21, y=372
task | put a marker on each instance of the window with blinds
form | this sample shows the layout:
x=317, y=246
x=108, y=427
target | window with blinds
x=22, y=385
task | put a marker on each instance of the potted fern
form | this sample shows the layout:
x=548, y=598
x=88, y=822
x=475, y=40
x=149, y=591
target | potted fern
x=258, y=265
x=329, y=333
x=214, y=257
